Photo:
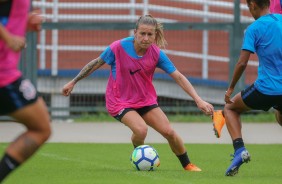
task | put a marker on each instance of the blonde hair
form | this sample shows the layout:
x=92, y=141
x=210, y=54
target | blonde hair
x=150, y=20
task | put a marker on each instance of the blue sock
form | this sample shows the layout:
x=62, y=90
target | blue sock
x=7, y=165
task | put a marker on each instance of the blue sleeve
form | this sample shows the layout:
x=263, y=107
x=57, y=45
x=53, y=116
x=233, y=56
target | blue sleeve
x=249, y=40
x=4, y=20
x=108, y=56
x=165, y=64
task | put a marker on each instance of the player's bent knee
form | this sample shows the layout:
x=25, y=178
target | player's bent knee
x=141, y=132
x=46, y=134
x=169, y=134
x=43, y=134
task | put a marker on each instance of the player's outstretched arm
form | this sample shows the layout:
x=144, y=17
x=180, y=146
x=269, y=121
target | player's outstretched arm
x=35, y=19
x=86, y=70
x=184, y=83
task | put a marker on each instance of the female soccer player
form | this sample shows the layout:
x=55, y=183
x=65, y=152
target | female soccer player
x=130, y=96
x=18, y=97
x=218, y=115
x=263, y=37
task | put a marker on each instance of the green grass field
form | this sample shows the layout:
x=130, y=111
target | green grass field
x=66, y=163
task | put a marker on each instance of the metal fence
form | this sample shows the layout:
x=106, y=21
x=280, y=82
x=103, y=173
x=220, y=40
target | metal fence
x=204, y=39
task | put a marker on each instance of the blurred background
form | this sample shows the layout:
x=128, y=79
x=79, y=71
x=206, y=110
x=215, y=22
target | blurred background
x=204, y=40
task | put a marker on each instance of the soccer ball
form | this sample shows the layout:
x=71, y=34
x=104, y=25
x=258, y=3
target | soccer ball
x=145, y=158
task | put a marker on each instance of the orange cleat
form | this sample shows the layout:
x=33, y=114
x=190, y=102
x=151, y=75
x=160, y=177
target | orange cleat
x=192, y=167
x=218, y=122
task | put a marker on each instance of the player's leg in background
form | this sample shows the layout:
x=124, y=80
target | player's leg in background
x=137, y=125
x=36, y=119
x=232, y=114
x=277, y=106
x=157, y=119
x=278, y=117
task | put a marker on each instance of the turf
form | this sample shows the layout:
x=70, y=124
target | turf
x=79, y=163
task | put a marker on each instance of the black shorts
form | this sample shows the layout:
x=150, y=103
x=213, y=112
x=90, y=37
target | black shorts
x=16, y=95
x=258, y=101
x=141, y=111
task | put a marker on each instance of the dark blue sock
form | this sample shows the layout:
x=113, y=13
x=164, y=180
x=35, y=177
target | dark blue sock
x=184, y=160
x=7, y=165
x=238, y=143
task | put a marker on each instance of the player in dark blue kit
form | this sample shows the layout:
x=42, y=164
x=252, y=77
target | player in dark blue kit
x=263, y=37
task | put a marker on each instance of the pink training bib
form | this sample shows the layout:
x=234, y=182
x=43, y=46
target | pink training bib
x=16, y=25
x=133, y=86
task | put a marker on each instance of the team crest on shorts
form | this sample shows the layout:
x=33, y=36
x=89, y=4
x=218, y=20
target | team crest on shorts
x=28, y=90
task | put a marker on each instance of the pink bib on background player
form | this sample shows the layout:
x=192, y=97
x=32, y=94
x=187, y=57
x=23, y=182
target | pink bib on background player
x=16, y=25
x=276, y=6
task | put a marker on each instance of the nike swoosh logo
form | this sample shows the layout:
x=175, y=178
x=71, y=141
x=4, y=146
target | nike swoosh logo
x=133, y=72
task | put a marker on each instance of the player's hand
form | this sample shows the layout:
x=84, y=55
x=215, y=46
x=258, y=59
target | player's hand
x=205, y=107
x=16, y=43
x=35, y=20
x=227, y=96
x=67, y=89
